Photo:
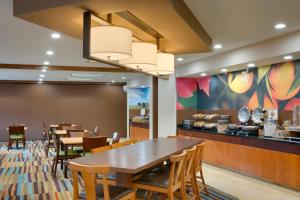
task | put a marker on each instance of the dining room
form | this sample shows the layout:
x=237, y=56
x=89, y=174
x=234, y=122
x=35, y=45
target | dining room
x=160, y=99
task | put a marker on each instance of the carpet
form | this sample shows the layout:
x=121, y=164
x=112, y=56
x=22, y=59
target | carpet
x=26, y=174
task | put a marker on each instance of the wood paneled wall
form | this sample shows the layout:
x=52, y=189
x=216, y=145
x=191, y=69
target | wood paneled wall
x=87, y=105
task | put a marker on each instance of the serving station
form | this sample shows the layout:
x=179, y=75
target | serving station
x=255, y=146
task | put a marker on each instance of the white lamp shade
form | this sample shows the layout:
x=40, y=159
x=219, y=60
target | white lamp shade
x=143, y=56
x=111, y=43
x=165, y=65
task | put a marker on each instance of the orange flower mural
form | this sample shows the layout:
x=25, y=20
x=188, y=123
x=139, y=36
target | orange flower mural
x=269, y=86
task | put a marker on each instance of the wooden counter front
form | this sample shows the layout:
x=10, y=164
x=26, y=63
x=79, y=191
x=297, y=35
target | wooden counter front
x=139, y=131
x=241, y=155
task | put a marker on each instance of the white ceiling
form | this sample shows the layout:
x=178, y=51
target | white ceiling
x=22, y=42
x=26, y=75
x=236, y=23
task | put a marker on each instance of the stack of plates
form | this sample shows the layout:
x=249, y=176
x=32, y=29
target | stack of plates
x=296, y=116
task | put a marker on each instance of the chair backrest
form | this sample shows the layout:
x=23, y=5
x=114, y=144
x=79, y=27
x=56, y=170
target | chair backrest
x=90, y=143
x=115, y=138
x=190, y=162
x=199, y=156
x=123, y=144
x=16, y=130
x=176, y=177
x=88, y=173
x=100, y=149
x=96, y=131
x=79, y=134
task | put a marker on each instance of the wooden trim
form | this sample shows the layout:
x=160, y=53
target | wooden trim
x=131, y=18
x=186, y=14
x=155, y=107
x=65, y=68
x=60, y=82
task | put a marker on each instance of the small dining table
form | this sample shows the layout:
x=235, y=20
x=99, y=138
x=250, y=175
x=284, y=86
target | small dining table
x=133, y=159
x=69, y=141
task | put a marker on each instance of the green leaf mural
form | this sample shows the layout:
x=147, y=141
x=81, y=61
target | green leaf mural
x=262, y=71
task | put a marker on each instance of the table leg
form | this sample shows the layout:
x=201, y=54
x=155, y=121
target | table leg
x=65, y=159
x=124, y=179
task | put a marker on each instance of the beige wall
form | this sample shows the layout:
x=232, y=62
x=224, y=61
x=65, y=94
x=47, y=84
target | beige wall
x=87, y=105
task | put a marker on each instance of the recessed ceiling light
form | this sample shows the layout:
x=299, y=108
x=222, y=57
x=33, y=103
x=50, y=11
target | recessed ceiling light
x=81, y=79
x=55, y=35
x=218, y=46
x=44, y=70
x=42, y=75
x=113, y=81
x=123, y=77
x=280, y=26
x=224, y=70
x=203, y=74
x=87, y=75
x=46, y=62
x=288, y=57
x=251, y=65
x=49, y=53
x=40, y=79
x=179, y=59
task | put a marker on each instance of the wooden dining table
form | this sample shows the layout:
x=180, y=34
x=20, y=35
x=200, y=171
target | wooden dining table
x=133, y=159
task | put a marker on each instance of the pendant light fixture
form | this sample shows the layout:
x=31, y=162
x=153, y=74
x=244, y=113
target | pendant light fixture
x=165, y=65
x=111, y=43
x=144, y=55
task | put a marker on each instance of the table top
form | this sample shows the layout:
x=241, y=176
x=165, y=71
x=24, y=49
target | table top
x=71, y=140
x=60, y=132
x=135, y=158
x=53, y=125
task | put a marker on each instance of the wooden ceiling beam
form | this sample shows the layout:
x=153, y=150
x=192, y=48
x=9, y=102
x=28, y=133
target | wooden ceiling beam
x=65, y=68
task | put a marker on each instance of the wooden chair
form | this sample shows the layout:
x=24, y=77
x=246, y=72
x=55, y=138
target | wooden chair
x=111, y=178
x=60, y=155
x=123, y=144
x=49, y=141
x=190, y=174
x=167, y=181
x=44, y=136
x=93, y=190
x=16, y=134
x=90, y=143
x=198, y=167
x=115, y=138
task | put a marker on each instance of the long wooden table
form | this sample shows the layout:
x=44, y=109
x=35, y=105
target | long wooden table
x=133, y=159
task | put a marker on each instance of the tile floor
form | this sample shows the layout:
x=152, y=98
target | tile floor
x=244, y=187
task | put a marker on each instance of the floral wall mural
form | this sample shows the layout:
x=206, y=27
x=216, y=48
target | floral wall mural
x=270, y=86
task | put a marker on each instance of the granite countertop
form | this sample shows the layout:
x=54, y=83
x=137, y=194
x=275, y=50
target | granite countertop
x=286, y=140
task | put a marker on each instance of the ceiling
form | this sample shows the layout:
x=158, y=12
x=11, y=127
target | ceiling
x=22, y=42
x=33, y=75
x=237, y=23
x=233, y=23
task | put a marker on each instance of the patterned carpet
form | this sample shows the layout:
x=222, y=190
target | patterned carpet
x=25, y=174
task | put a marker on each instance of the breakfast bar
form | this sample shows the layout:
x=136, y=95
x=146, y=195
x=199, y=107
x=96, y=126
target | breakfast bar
x=270, y=159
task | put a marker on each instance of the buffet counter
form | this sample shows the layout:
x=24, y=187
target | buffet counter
x=274, y=160
x=139, y=130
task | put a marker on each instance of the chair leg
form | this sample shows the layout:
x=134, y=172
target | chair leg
x=62, y=164
x=55, y=166
x=171, y=196
x=24, y=143
x=17, y=144
x=47, y=151
x=183, y=192
x=204, y=184
x=149, y=195
x=195, y=188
